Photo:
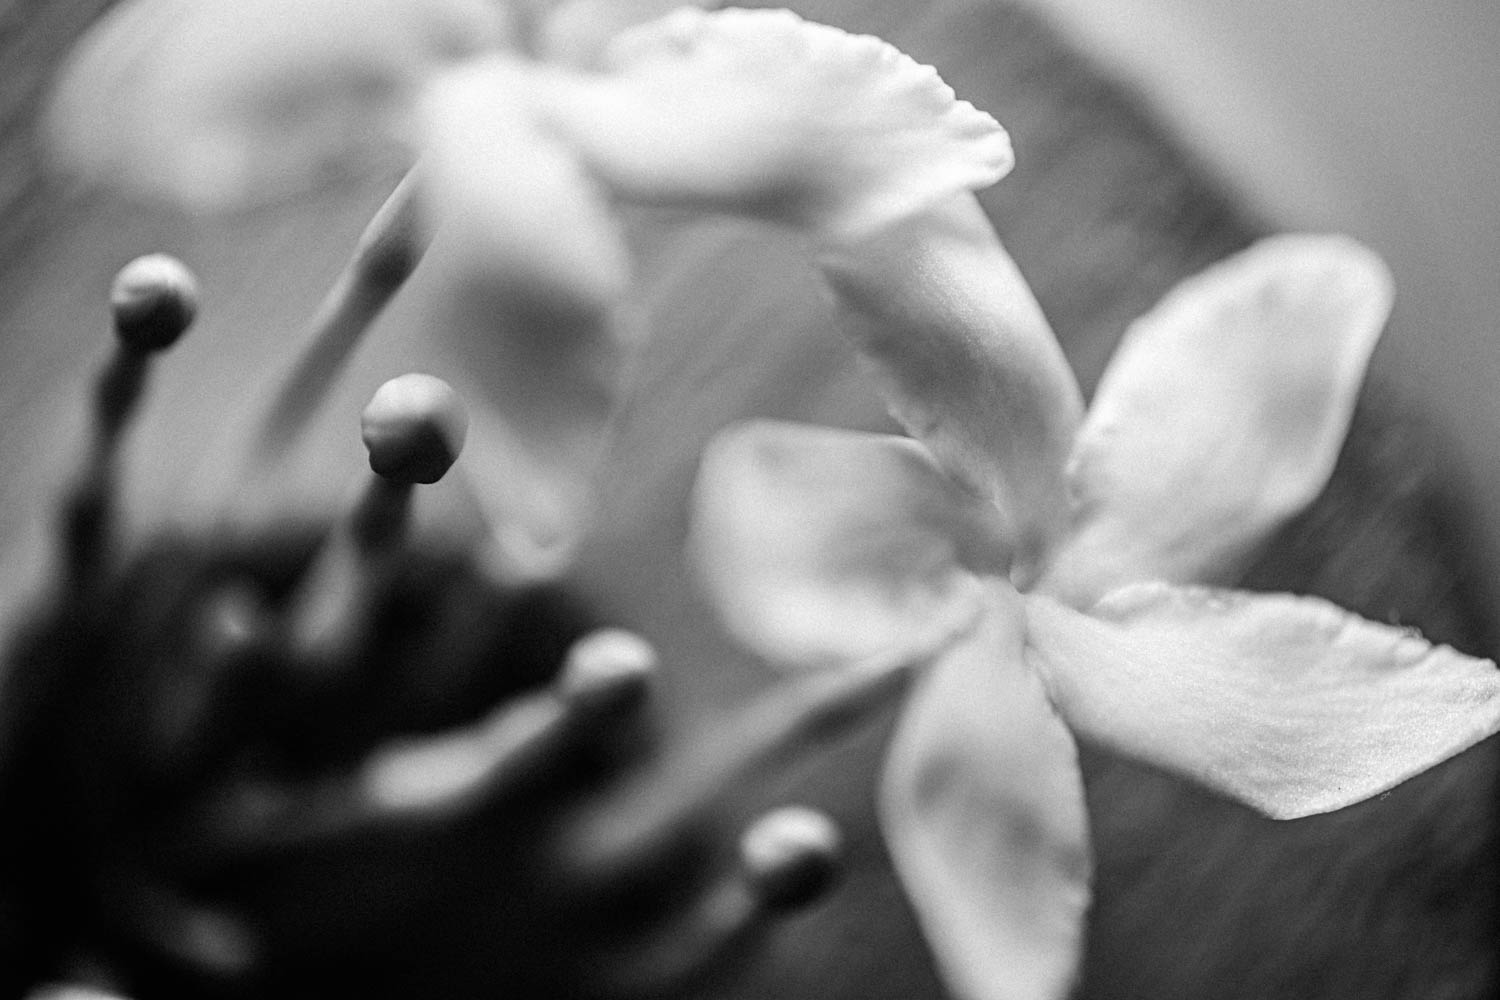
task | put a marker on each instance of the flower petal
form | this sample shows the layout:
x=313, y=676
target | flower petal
x=1289, y=703
x=982, y=808
x=532, y=266
x=969, y=363
x=761, y=112
x=822, y=547
x=1221, y=415
x=219, y=103
x=575, y=32
x=525, y=212
x=765, y=114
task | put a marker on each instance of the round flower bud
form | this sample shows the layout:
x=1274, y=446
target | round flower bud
x=791, y=856
x=608, y=671
x=414, y=428
x=153, y=300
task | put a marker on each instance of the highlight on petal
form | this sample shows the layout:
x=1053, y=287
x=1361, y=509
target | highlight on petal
x=1222, y=414
x=1290, y=704
x=532, y=266
x=982, y=808
x=220, y=103
x=822, y=547
x=763, y=113
x=526, y=213
x=968, y=361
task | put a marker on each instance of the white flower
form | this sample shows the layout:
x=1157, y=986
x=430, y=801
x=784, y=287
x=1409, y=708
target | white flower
x=222, y=103
x=1053, y=570
x=219, y=105
x=522, y=164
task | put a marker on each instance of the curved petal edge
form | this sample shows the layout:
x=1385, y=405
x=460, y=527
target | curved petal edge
x=762, y=113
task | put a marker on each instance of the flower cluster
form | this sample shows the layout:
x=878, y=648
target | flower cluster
x=1045, y=567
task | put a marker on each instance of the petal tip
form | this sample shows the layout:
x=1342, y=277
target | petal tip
x=1342, y=263
x=762, y=112
x=1289, y=704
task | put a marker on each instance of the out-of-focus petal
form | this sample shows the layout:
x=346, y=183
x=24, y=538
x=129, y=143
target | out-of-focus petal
x=220, y=103
x=969, y=364
x=982, y=808
x=1288, y=703
x=1221, y=415
x=525, y=212
x=761, y=112
x=575, y=32
x=822, y=547
x=533, y=265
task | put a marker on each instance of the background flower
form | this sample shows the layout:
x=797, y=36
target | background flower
x=519, y=162
x=222, y=104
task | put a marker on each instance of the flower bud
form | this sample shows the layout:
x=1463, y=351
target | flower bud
x=153, y=301
x=414, y=428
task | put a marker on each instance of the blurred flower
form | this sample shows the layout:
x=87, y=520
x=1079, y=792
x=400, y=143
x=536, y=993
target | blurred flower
x=522, y=161
x=220, y=104
x=1048, y=569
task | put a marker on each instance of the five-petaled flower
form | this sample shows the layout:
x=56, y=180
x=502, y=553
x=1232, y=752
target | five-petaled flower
x=1052, y=570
